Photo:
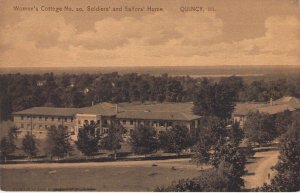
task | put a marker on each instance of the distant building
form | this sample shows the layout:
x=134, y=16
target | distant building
x=161, y=116
x=286, y=103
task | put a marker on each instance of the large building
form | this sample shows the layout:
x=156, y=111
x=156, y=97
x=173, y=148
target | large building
x=286, y=103
x=161, y=116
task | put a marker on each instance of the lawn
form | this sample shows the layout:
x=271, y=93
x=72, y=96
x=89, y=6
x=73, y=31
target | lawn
x=103, y=178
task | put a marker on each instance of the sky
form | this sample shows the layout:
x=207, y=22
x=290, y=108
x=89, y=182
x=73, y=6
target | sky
x=237, y=32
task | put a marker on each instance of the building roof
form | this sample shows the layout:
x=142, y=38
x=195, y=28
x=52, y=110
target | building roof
x=245, y=108
x=277, y=106
x=157, y=115
x=51, y=111
x=185, y=107
x=150, y=111
x=293, y=102
x=105, y=109
x=274, y=109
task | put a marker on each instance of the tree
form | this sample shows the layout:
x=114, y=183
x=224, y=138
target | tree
x=214, y=99
x=287, y=177
x=282, y=121
x=230, y=160
x=214, y=128
x=8, y=129
x=201, y=149
x=88, y=139
x=204, y=101
x=173, y=91
x=211, y=129
x=7, y=147
x=8, y=135
x=235, y=134
x=29, y=145
x=143, y=140
x=5, y=107
x=229, y=167
x=57, y=142
x=259, y=128
x=175, y=139
x=112, y=141
x=234, y=84
x=208, y=181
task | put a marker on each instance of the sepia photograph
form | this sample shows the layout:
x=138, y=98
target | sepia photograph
x=150, y=95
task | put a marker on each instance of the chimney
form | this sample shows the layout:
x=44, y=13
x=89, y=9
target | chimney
x=117, y=109
x=271, y=101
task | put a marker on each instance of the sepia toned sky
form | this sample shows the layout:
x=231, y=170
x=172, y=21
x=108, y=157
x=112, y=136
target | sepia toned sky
x=238, y=32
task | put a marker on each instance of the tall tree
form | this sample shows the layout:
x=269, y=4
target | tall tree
x=175, y=139
x=211, y=130
x=230, y=160
x=29, y=145
x=58, y=142
x=282, y=121
x=113, y=140
x=88, y=139
x=202, y=151
x=5, y=107
x=7, y=147
x=214, y=99
x=143, y=140
x=235, y=134
x=259, y=128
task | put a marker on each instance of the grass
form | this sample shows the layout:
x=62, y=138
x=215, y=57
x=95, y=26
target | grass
x=136, y=178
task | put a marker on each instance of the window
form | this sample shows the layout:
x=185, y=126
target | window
x=58, y=119
x=131, y=122
x=124, y=122
x=40, y=118
x=46, y=118
x=169, y=124
x=98, y=122
x=71, y=119
x=66, y=119
x=22, y=117
x=40, y=126
x=52, y=118
x=22, y=125
x=28, y=117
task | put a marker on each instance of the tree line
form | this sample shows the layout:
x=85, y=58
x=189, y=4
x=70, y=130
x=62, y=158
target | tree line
x=21, y=91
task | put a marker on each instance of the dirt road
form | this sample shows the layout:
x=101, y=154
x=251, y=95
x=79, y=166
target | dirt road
x=259, y=169
x=180, y=163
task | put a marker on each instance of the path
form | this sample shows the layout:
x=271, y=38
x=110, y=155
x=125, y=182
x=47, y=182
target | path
x=181, y=163
x=259, y=169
